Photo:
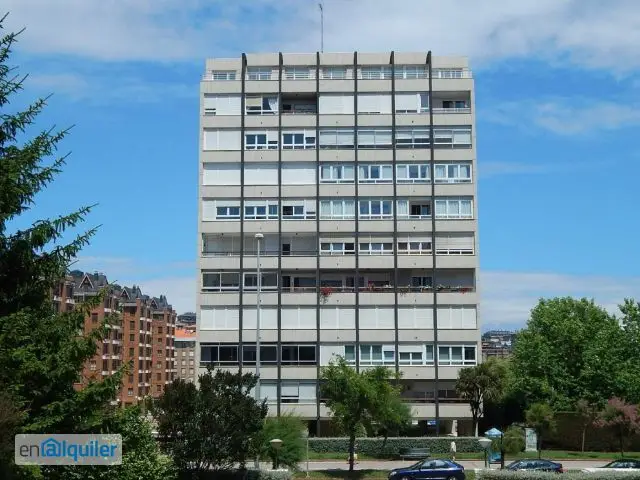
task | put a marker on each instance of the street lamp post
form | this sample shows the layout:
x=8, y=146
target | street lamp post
x=485, y=443
x=276, y=443
x=259, y=238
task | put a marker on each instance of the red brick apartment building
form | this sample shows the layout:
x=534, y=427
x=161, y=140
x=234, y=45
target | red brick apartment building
x=144, y=338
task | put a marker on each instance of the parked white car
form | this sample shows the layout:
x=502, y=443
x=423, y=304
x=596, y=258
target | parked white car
x=623, y=465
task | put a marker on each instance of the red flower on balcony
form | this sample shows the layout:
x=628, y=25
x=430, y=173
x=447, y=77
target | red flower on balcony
x=326, y=291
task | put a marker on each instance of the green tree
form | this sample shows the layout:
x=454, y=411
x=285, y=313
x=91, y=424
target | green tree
x=630, y=366
x=587, y=413
x=623, y=418
x=570, y=350
x=212, y=427
x=288, y=428
x=42, y=353
x=479, y=384
x=541, y=418
x=360, y=399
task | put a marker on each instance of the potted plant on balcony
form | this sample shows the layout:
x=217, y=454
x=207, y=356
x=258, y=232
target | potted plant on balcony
x=325, y=293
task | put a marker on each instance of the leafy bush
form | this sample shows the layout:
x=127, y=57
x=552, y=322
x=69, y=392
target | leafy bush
x=506, y=475
x=288, y=428
x=514, y=440
x=240, y=475
x=378, y=447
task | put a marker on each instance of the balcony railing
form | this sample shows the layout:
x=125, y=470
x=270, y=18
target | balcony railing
x=327, y=291
x=452, y=110
x=445, y=396
x=263, y=253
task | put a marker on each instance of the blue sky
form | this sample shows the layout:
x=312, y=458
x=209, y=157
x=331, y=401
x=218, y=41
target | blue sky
x=556, y=102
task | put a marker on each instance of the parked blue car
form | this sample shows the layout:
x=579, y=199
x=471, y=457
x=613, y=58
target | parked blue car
x=436, y=469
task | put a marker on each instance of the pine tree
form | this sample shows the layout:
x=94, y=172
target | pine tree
x=42, y=352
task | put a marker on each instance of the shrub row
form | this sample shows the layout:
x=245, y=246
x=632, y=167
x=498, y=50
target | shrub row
x=506, y=475
x=242, y=475
x=377, y=447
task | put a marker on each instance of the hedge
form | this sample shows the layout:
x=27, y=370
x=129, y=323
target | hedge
x=377, y=447
x=241, y=475
x=506, y=475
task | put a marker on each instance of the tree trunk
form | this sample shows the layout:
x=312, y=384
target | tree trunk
x=539, y=445
x=584, y=435
x=474, y=424
x=621, y=443
x=352, y=448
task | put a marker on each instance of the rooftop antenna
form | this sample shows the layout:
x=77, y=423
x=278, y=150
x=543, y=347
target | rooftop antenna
x=321, y=27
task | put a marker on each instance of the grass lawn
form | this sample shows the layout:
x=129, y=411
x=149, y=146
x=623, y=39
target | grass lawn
x=548, y=454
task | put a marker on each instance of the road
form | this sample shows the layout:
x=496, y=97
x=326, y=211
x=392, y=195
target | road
x=468, y=464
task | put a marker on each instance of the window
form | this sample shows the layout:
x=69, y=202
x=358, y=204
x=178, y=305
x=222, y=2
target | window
x=132, y=324
x=336, y=104
x=94, y=318
x=421, y=282
x=221, y=104
x=454, y=105
x=269, y=281
x=92, y=365
x=223, y=74
x=219, y=354
x=455, y=244
x=336, y=138
x=454, y=208
x=298, y=354
x=410, y=355
x=414, y=246
x=337, y=248
x=337, y=209
x=299, y=140
x=297, y=211
x=160, y=330
x=377, y=354
x=298, y=73
x=132, y=337
x=412, y=173
x=374, y=138
x=375, y=72
x=228, y=213
x=261, y=141
x=375, y=209
x=376, y=248
x=259, y=73
x=268, y=354
x=334, y=73
x=375, y=174
x=293, y=391
x=267, y=211
x=261, y=105
x=412, y=102
x=220, y=281
x=130, y=392
x=412, y=137
x=330, y=173
x=457, y=355
x=374, y=103
x=456, y=137
x=411, y=71
x=224, y=139
x=183, y=371
x=453, y=173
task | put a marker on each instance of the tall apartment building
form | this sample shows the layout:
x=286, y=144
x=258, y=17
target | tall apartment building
x=144, y=336
x=328, y=157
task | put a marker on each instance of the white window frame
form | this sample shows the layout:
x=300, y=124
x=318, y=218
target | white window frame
x=267, y=205
x=451, y=209
x=421, y=102
x=259, y=73
x=382, y=138
x=445, y=137
x=458, y=363
x=337, y=173
x=456, y=178
x=309, y=140
x=453, y=251
x=337, y=248
x=412, y=137
x=220, y=287
x=411, y=72
x=223, y=75
x=422, y=281
x=225, y=213
x=270, y=140
x=300, y=210
x=405, y=170
x=375, y=248
x=334, y=73
x=264, y=286
x=265, y=106
x=324, y=132
x=343, y=216
x=370, y=204
x=298, y=73
x=374, y=72
x=384, y=350
x=366, y=173
x=414, y=246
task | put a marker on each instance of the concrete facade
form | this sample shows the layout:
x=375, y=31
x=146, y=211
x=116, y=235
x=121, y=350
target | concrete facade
x=330, y=157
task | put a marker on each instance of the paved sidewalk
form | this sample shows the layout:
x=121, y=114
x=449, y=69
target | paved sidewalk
x=391, y=464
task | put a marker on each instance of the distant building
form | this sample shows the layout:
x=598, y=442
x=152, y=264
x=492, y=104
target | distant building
x=497, y=343
x=187, y=321
x=186, y=354
x=144, y=336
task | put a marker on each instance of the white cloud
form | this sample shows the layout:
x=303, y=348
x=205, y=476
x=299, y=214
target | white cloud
x=565, y=116
x=589, y=33
x=508, y=297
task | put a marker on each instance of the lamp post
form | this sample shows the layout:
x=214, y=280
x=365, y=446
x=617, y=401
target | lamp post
x=305, y=435
x=258, y=238
x=485, y=443
x=276, y=443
